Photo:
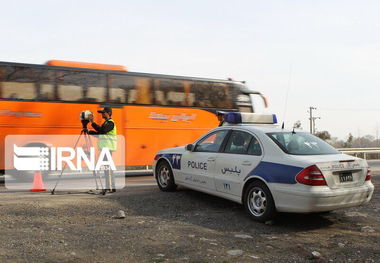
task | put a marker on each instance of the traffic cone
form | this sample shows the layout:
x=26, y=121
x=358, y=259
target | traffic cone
x=38, y=184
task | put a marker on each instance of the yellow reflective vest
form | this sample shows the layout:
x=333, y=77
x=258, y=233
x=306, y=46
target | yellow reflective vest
x=108, y=140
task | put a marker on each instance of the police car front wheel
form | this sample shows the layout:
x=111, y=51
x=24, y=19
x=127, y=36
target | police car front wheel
x=164, y=177
x=258, y=202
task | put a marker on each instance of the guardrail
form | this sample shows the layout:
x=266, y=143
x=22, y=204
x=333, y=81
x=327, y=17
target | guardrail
x=361, y=152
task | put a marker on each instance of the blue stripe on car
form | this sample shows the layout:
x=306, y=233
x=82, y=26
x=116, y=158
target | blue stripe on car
x=173, y=158
x=275, y=172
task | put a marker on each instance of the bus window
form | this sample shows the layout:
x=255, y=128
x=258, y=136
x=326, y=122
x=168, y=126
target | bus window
x=46, y=92
x=162, y=87
x=97, y=94
x=18, y=91
x=159, y=95
x=81, y=86
x=213, y=95
x=121, y=88
x=172, y=92
x=132, y=96
x=25, y=83
x=189, y=94
x=117, y=95
x=221, y=97
x=129, y=89
x=202, y=94
x=70, y=93
x=244, y=103
x=143, y=93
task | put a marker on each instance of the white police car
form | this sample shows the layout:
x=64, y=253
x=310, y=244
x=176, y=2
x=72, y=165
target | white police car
x=266, y=168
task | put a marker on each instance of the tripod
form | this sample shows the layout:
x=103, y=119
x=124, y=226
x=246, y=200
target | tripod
x=88, y=146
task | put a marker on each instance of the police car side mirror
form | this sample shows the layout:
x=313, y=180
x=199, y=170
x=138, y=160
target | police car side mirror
x=190, y=147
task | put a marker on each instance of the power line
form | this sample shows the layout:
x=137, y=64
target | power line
x=348, y=109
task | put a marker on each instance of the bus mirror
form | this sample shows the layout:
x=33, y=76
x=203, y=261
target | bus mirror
x=190, y=147
x=265, y=99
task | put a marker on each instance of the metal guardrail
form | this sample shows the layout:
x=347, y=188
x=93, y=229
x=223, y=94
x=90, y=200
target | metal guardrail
x=360, y=151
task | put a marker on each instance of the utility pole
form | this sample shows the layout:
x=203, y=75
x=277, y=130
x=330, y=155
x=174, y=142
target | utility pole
x=312, y=120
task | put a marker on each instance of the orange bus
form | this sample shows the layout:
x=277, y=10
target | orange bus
x=152, y=111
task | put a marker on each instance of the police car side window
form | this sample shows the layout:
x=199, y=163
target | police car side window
x=254, y=147
x=212, y=142
x=238, y=142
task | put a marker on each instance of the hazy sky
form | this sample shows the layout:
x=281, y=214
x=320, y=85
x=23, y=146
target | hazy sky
x=326, y=52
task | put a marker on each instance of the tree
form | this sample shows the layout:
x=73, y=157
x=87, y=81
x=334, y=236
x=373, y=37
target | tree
x=337, y=143
x=324, y=135
x=349, y=141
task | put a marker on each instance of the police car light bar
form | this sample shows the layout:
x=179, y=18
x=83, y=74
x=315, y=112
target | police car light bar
x=244, y=117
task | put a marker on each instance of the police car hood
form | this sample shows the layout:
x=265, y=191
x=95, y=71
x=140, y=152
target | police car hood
x=179, y=149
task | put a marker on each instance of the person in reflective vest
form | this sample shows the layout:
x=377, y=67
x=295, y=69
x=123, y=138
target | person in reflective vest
x=106, y=139
x=220, y=115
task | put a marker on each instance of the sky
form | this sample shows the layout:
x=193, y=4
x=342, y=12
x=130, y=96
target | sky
x=324, y=54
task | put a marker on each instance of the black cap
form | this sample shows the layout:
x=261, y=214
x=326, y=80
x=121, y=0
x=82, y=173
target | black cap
x=106, y=109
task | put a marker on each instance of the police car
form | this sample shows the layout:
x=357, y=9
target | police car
x=267, y=169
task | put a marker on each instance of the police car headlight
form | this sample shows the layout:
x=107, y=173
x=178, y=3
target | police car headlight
x=85, y=115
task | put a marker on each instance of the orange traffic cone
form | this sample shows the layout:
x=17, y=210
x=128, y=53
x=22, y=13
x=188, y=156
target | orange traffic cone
x=38, y=184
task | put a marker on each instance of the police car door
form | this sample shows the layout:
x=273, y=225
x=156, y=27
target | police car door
x=240, y=156
x=198, y=166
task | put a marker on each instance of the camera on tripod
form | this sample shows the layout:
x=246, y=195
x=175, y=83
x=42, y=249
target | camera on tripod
x=84, y=117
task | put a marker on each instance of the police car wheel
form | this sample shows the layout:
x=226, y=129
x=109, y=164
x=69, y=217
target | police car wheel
x=164, y=177
x=258, y=202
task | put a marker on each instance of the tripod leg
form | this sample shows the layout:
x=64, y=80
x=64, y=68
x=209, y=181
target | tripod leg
x=110, y=180
x=95, y=174
x=88, y=150
x=96, y=181
x=64, y=167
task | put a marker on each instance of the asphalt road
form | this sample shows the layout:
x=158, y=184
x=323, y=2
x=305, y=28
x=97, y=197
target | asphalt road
x=375, y=165
x=182, y=226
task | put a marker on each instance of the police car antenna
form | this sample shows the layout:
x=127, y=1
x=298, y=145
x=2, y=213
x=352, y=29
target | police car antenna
x=287, y=93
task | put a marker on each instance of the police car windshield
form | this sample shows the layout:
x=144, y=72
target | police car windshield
x=301, y=143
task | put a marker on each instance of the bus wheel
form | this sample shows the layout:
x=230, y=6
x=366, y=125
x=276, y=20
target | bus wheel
x=258, y=202
x=164, y=177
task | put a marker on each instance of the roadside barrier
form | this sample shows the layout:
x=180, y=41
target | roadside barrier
x=365, y=153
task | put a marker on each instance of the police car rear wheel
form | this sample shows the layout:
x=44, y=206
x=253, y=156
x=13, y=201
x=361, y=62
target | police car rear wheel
x=258, y=202
x=164, y=177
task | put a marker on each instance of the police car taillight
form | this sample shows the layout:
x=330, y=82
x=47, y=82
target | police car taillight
x=369, y=175
x=311, y=176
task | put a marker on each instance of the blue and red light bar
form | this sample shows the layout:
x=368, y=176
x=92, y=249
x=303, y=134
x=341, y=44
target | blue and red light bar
x=250, y=118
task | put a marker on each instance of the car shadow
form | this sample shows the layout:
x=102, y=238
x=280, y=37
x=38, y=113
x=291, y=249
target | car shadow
x=211, y=212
